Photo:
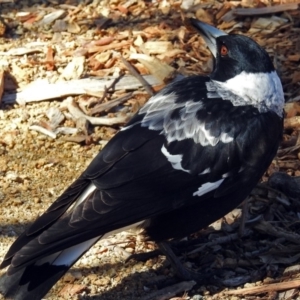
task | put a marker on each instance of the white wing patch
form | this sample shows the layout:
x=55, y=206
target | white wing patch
x=68, y=256
x=82, y=197
x=158, y=116
x=175, y=160
x=207, y=187
x=262, y=90
x=206, y=171
x=91, y=187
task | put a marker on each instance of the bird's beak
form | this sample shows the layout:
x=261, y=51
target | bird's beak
x=209, y=34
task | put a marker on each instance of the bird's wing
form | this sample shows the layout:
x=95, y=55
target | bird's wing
x=179, y=147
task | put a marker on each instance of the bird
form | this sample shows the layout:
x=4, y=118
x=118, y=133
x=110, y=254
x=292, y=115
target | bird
x=190, y=155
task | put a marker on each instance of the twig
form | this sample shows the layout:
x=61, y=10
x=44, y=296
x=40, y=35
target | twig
x=258, y=11
x=267, y=288
x=110, y=87
x=133, y=72
x=77, y=113
x=244, y=217
x=221, y=240
x=108, y=105
x=1, y=84
x=170, y=291
x=267, y=228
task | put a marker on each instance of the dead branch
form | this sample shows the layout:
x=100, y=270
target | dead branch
x=110, y=104
x=77, y=113
x=221, y=240
x=41, y=90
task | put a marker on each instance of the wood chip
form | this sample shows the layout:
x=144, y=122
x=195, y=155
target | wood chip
x=55, y=116
x=74, y=69
x=291, y=270
x=66, y=130
x=156, y=47
x=160, y=70
x=293, y=122
x=112, y=46
x=48, y=19
x=23, y=16
x=73, y=27
x=21, y=51
x=267, y=288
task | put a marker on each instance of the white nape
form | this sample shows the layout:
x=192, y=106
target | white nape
x=262, y=90
x=208, y=187
x=175, y=160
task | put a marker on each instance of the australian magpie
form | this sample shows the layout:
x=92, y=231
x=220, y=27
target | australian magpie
x=188, y=157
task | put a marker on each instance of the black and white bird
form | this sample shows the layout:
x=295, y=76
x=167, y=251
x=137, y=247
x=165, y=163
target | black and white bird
x=188, y=157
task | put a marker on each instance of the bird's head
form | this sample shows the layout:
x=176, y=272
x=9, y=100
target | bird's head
x=242, y=68
x=233, y=53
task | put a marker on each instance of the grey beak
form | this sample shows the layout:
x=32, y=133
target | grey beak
x=209, y=34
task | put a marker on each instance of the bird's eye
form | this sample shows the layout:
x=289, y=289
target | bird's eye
x=223, y=50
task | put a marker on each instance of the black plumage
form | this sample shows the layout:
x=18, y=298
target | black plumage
x=189, y=156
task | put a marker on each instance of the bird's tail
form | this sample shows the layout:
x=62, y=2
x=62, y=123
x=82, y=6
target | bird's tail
x=33, y=281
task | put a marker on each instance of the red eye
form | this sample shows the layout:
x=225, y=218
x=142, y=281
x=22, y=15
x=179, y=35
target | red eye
x=223, y=50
